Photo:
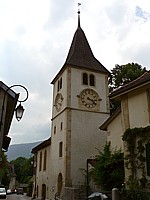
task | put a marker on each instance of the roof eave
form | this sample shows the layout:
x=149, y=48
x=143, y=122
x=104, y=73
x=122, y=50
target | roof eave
x=42, y=145
x=110, y=119
x=117, y=94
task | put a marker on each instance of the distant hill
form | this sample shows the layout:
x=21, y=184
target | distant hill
x=20, y=150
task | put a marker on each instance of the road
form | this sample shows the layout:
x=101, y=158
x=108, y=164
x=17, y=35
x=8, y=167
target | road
x=17, y=197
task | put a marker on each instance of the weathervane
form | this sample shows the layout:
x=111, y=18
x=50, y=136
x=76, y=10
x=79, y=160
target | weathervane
x=79, y=4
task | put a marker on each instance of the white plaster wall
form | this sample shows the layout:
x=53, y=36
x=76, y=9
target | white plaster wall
x=86, y=140
x=42, y=177
x=138, y=109
x=63, y=91
x=100, y=88
x=85, y=133
x=115, y=133
x=57, y=163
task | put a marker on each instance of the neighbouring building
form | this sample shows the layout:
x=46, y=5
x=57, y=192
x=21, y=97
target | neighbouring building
x=129, y=128
x=41, y=165
x=8, y=102
x=80, y=106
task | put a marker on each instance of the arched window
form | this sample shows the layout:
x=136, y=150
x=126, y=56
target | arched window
x=40, y=162
x=43, y=191
x=59, y=187
x=85, y=79
x=60, y=149
x=45, y=159
x=92, y=80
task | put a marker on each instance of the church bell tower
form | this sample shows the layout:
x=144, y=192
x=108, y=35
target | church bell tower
x=80, y=106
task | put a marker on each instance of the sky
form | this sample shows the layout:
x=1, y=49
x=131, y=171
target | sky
x=35, y=37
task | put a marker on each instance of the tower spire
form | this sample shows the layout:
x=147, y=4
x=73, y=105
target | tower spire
x=79, y=4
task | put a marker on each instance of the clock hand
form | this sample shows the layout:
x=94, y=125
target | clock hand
x=88, y=98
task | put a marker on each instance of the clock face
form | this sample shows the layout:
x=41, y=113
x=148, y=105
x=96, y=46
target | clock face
x=58, y=101
x=89, y=98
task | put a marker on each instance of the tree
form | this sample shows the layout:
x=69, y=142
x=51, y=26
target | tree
x=108, y=171
x=23, y=169
x=4, y=171
x=121, y=75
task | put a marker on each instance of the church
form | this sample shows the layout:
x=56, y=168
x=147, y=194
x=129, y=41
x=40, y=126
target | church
x=80, y=106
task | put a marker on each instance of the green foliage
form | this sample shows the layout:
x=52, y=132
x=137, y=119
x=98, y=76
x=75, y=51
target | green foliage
x=135, y=195
x=121, y=75
x=23, y=169
x=134, y=159
x=109, y=169
x=4, y=171
x=29, y=188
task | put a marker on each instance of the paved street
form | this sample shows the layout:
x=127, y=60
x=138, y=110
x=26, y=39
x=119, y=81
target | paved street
x=17, y=197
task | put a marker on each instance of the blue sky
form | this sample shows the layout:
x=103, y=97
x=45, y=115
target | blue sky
x=35, y=37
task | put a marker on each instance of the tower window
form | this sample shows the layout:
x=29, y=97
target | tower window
x=45, y=159
x=60, y=149
x=61, y=126
x=85, y=79
x=92, y=80
x=54, y=129
x=59, y=84
x=40, y=163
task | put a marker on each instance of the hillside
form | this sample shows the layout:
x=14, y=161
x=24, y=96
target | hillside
x=20, y=150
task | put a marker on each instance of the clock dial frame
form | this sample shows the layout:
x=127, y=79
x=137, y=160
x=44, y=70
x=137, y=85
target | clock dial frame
x=89, y=98
x=58, y=101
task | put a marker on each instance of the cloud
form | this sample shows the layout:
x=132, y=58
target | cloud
x=140, y=14
x=35, y=37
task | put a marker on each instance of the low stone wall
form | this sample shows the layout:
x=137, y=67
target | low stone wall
x=71, y=193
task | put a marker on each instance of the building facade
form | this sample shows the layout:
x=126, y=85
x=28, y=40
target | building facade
x=129, y=128
x=8, y=102
x=80, y=106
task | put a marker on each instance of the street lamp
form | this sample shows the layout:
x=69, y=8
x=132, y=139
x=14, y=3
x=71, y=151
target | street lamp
x=18, y=111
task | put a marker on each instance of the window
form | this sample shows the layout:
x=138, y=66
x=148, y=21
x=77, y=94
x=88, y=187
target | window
x=85, y=79
x=61, y=126
x=60, y=149
x=60, y=183
x=92, y=80
x=59, y=84
x=54, y=129
x=45, y=159
x=40, y=163
x=88, y=79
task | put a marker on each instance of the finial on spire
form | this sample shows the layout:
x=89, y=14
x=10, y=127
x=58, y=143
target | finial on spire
x=79, y=4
